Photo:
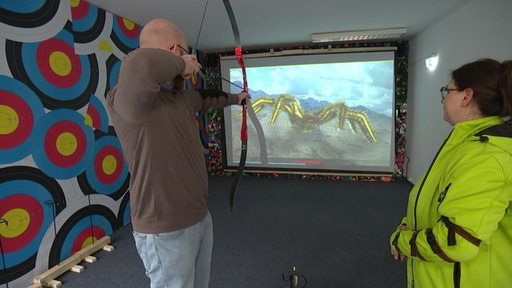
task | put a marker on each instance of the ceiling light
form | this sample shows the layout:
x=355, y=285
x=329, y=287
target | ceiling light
x=361, y=35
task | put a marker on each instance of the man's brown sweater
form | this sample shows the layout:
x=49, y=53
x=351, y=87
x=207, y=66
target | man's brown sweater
x=158, y=133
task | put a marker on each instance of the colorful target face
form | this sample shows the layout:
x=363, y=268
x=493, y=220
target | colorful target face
x=107, y=173
x=97, y=116
x=64, y=144
x=20, y=109
x=53, y=71
x=83, y=228
x=123, y=215
x=125, y=34
x=88, y=21
x=29, y=200
x=113, y=67
x=26, y=20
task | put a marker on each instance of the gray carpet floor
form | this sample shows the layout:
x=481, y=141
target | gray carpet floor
x=335, y=233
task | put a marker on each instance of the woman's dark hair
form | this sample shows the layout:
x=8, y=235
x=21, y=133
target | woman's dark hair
x=506, y=87
x=491, y=82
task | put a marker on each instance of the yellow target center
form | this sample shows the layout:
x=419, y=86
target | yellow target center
x=89, y=241
x=18, y=220
x=105, y=46
x=129, y=24
x=75, y=3
x=109, y=165
x=88, y=120
x=60, y=63
x=9, y=120
x=66, y=144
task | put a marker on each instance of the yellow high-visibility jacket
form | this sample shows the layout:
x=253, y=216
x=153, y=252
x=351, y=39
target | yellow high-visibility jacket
x=459, y=216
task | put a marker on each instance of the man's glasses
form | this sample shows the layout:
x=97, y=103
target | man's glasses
x=181, y=47
x=445, y=91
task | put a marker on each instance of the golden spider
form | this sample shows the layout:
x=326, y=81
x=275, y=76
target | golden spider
x=305, y=121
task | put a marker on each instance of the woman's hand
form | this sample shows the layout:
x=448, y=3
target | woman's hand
x=397, y=256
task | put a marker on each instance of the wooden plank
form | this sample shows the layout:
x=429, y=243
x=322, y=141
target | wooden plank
x=108, y=248
x=54, y=284
x=47, y=277
x=77, y=268
x=90, y=259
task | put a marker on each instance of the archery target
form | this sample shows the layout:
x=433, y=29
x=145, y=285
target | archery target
x=29, y=200
x=61, y=78
x=64, y=144
x=97, y=116
x=20, y=109
x=123, y=214
x=88, y=21
x=107, y=173
x=113, y=68
x=32, y=20
x=125, y=34
x=81, y=229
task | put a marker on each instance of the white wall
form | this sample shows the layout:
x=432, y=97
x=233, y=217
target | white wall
x=476, y=29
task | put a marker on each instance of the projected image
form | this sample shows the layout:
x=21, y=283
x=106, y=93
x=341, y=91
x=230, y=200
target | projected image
x=315, y=113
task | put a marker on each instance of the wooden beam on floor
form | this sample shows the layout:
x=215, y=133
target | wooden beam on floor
x=47, y=279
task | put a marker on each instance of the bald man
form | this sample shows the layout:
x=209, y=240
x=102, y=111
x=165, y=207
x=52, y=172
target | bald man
x=154, y=117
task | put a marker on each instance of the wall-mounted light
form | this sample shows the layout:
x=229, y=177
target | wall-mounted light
x=359, y=35
x=431, y=62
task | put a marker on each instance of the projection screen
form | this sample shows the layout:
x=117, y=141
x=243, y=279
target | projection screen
x=326, y=112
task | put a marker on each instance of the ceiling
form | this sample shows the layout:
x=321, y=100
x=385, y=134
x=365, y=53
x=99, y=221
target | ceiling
x=279, y=23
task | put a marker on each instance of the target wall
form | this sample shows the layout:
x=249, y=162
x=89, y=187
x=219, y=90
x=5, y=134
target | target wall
x=63, y=179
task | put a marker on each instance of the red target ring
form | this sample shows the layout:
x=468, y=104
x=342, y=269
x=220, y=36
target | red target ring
x=85, y=238
x=24, y=216
x=128, y=28
x=79, y=10
x=16, y=120
x=94, y=117
x=65, y=144
x=108, y=164
x=58, y=63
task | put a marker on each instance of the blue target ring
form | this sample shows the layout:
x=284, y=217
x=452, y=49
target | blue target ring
x=29, y=52
x=107, y=173
x=124, y=216
x=22, y=6
x=125, y=34
x=27, y=13
x=27, y=196
x=52, y=69
x=84, y=224
x=94, y=221
x=97, y=116
x=113, y=68
x=20, y=143
x=68, y=129
x=88, y=22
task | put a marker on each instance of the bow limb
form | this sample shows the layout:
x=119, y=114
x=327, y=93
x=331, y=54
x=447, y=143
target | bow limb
x=243, y=130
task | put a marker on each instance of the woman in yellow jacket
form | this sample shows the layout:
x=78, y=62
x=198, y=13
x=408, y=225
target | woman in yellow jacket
x=458, y=228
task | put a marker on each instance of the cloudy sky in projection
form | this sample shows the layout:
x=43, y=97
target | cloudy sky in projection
x=369, y=84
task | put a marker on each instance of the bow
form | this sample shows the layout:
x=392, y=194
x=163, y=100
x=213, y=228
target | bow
x=246, y=109
x=243, y=130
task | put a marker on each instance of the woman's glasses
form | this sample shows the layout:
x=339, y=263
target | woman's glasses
x=445, y=91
